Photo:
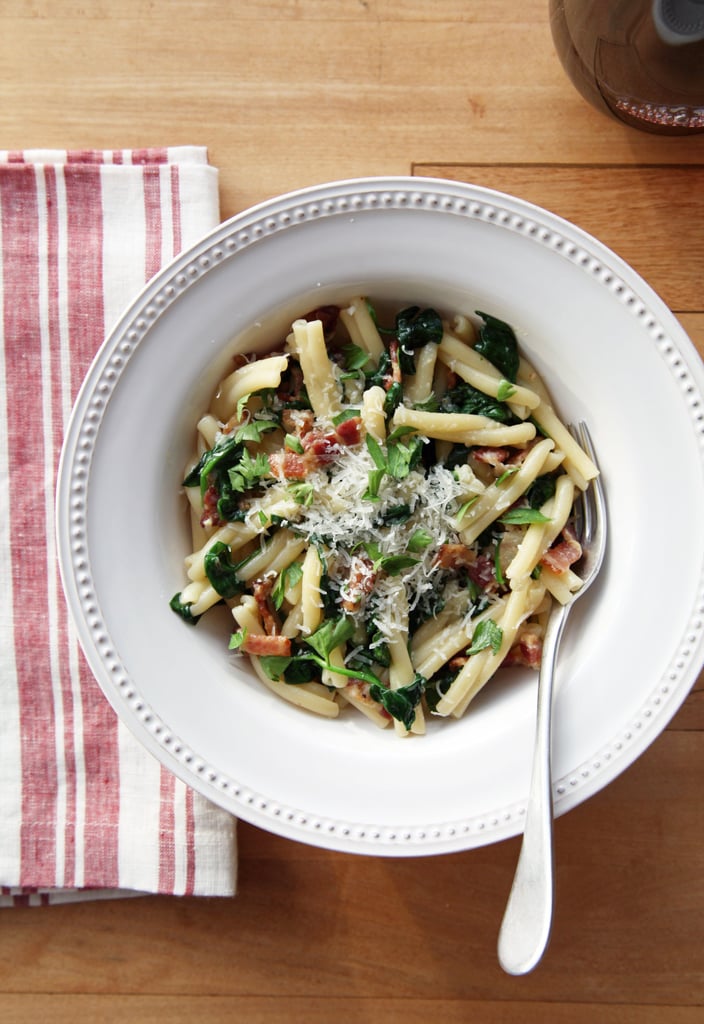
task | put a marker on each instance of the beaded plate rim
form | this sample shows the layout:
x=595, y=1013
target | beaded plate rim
x=231, y=238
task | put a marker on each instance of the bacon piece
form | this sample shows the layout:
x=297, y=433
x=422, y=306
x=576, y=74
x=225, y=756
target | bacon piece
x=261, y=590
x=482, y=571
x=321, y=448
x=264, y=644
x=239, y=360
x=358, y=691
x=297, y=421
x=287, y=464
x=492, y=456
x=563, y=554
x=458, y=662
x=210, y=515
x=393, y=373
x=292, y=392
x=359, y=584
x=455, y=556
x=396, y=376
x=328, y=316
x=518, y=457
x=350, y=431
x=527, y=651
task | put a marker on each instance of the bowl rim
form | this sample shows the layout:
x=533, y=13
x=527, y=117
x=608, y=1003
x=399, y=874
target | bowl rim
x=235, y=235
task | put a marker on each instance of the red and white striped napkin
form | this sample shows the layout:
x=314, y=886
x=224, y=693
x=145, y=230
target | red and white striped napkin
x=85, y=812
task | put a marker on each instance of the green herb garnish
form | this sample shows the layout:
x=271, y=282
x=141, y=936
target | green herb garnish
x=288, y=577
x=486, y=634
x=419, y=540
x=523, y=516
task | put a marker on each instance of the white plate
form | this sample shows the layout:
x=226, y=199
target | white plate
x=612, y=353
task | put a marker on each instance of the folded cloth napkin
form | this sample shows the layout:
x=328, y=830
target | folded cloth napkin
x=85, y=812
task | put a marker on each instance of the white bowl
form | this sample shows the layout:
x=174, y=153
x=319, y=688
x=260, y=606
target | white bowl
x=612, y=354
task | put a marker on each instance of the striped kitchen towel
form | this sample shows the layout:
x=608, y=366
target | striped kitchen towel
x=85, y=812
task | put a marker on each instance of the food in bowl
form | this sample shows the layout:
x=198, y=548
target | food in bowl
x=385, y=507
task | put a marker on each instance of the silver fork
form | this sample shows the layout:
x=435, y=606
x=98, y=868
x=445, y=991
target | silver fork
x=525, y=929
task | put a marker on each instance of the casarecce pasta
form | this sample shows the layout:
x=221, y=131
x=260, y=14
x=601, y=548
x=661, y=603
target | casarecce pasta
x=385, y=511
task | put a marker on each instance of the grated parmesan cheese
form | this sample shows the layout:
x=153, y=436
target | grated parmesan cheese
x=345, y=522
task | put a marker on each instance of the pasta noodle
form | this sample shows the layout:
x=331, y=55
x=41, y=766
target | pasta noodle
x=247, y=379
x=372, y=412
x=361, y=328
x=385, y=510
x=317, y=369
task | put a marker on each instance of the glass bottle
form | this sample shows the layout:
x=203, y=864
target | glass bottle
x=640, y=60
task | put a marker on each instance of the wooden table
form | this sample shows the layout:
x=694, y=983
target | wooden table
x=287, y=93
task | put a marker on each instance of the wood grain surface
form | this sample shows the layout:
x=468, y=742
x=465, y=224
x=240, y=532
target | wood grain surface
x=286, y=94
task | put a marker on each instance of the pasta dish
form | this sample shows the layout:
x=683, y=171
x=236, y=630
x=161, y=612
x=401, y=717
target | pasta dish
x=385, y=508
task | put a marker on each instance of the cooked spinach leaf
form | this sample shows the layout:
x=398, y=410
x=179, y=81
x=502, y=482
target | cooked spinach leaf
x=401, y=704
x=300, y=670
x=223, y=454
x=497, y=343
x=303, y=664
x=396, y=515
x=437, y=687
x=275, y=664
x=221, y=571
x=330, y=635
x=541, y=490
x=228, y=503
x=416, y=327
x=380, y=653
x=379, y=377
x=394, y=397
x=292, y=669
x=464, y=398
x=184, y=610
x=430, y=604
x=458, y=455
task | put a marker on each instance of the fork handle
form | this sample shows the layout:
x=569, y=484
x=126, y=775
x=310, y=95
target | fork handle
x=525, y=929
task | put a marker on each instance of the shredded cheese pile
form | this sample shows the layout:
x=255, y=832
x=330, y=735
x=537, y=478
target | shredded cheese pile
x=345, y=523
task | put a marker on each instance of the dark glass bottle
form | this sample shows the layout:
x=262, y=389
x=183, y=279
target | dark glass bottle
x=640, y=60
